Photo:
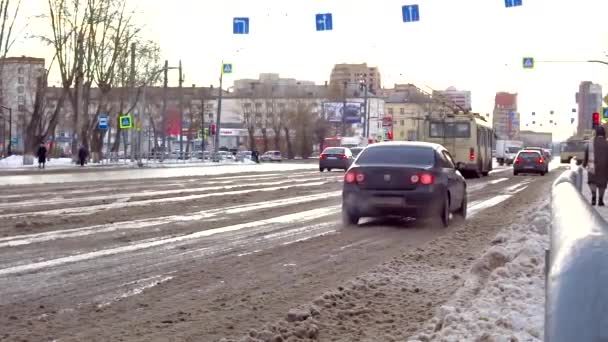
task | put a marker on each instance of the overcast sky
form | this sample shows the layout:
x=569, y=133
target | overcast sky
x=475, y=45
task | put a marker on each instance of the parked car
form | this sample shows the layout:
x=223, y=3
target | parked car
x=272, y=156
x=335, y=158
x=530, y=161
x=243, y=155
x=407, y=179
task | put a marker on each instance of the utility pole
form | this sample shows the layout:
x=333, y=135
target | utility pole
x=218, y=119
x=203, y=135
x=365, y=114
x=133, y=99
x=164, y=111
x=344, y=110
x=10, y=130
x=181, y=111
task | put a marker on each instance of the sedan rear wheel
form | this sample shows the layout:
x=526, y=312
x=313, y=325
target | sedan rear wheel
x=321, y=169
x=463, y=207
x=445, y=212
x=349, y=219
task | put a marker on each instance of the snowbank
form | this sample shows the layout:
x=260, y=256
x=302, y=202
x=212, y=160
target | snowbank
x=16, y=161
x=504, y=293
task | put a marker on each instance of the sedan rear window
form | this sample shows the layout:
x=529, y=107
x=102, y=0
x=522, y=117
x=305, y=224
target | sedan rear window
x=407, y=155
x=529, y=155
x=334, y=151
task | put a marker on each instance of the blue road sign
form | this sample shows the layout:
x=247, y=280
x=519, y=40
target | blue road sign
x=512, y=114
x=14, y=141
x=516, y=123
x=513, y=3
x=240, y=25
x=227, y=68
x=102, y=122
x=528, y=62
x=126, y=122
x=410, y=13
x=324, y=22
x=605, y=112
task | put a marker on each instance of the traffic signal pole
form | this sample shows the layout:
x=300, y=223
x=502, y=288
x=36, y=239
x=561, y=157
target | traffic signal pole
x=218, y=119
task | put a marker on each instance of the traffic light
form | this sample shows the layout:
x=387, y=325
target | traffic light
x=390, y=135
x=212, y=129
x=596, y=120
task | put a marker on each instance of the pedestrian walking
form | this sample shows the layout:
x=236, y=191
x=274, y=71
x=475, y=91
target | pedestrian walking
x=41, y=154
x=83, y=153
x=596, y=162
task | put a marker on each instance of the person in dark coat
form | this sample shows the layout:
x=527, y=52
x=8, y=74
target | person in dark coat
x=596, y=162
x=82, y=155
x=41, y=154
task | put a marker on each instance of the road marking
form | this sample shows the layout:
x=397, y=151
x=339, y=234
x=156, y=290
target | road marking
x=22, y=240
x=290, y=218
x=478, y=206
x=124, y=197
x=499, y=180
x=77, y=211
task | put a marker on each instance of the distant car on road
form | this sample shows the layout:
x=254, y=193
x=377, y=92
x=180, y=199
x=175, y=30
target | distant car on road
x=407, y=179
x=544, y=153
x=335, y=158
x=530, y=161
x=272, y=156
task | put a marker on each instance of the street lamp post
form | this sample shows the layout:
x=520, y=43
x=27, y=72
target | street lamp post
x=9, y=150
x=344, y=110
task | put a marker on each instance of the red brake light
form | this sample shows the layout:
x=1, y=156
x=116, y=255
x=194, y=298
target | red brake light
x=540, y=160
x=360, y=178
x=426, y=179
x=323, y=156
x=343, y=156
x=518, y=160
x=350, y=177
x=472, y=154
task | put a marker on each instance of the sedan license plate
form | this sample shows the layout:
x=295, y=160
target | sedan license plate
x=332, y=158
x=388, y=201
x=528, y=167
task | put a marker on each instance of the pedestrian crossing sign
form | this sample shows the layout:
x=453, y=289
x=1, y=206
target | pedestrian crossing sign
x=528, y=62
x=125, y=121
x=227, y=68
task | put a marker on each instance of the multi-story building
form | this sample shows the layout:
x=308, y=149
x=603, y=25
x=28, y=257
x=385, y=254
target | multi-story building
x=353, y=74
x=506, y=119
x=18, y=86
x=589, y=100
x=461, y=98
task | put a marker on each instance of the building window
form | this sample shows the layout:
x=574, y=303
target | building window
x=401, y=110
x=402, y=122
x=21, y=100
x=20, y=71
x=20, y=89
x=390, y=111
x=21, y=81
x=21, y=108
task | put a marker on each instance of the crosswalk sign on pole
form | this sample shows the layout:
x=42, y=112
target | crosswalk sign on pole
x=125, y=121
x=227, y=68
x=528, y=62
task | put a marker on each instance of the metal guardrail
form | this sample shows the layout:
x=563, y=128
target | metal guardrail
x=576, y=307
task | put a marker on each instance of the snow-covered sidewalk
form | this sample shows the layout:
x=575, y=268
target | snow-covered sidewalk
x=15, y=163
x=504, y=294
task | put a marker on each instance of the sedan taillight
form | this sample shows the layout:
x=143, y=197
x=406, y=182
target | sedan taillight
x=354, y=177
x=423, y=178
x=540, y=160
x=518, y=160
x=323, y=156
x=343, y=156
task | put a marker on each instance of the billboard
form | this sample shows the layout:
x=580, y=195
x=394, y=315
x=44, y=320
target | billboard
x=334, y=110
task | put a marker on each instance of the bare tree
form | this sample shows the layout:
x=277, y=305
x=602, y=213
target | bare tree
x=9, y=12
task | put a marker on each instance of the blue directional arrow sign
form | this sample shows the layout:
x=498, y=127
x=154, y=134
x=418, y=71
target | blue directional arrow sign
x=324, y=22
x=102, y=122
x=605, y=112
x=513, y=3
x=240, y=25
x=410, y=13
x=528, y=62
x=227, y=68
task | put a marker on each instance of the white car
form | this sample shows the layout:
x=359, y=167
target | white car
x=272, y=156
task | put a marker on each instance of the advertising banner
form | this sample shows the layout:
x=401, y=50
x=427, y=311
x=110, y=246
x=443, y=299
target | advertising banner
x=334, y=111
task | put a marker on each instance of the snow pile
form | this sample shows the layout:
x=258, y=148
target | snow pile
x=16, y=161
x=504, y=293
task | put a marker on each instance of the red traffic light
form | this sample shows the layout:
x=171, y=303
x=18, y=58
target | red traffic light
x=390, y=135
x=212, y=129
x=596, y=119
